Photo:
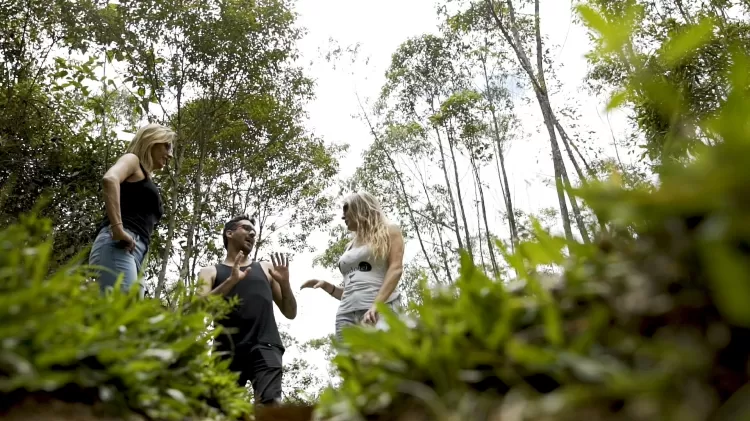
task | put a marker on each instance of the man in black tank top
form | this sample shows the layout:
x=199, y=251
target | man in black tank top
x=250, y=336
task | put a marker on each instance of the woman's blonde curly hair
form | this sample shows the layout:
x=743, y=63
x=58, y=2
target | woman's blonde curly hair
x=372, y=224
x=145, y=139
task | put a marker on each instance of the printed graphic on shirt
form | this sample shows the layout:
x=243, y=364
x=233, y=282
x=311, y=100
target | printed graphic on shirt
x=365, y=267
x=361, y=267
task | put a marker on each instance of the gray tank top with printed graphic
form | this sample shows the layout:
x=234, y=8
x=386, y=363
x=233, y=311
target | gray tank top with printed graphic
x=363, y=277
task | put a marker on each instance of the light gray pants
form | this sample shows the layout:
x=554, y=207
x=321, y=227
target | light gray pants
x=355, y=317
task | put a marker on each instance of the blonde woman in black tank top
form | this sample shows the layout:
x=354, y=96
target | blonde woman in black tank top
x=133, y=208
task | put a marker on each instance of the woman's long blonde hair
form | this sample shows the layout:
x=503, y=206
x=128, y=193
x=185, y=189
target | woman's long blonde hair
x=372, y=224
x=145, y=139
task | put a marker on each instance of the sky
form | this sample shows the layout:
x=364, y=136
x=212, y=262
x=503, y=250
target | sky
x=380, y=27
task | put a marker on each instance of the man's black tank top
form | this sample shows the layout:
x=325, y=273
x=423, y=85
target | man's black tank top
x=141, y=207
x=252, y=321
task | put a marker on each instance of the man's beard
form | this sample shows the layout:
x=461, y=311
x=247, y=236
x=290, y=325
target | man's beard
x=247, y=247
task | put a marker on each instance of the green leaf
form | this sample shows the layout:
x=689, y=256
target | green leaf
x=593, y=19
x=526, y=354
x=66, y=334
x=687, y=41
x=617, y=100
x=730, y=287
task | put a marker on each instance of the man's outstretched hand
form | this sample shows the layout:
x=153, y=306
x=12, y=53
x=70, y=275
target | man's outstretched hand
x=280, y=270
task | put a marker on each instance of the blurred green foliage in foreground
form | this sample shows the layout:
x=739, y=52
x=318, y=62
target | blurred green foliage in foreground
x=60, y=338
x=650, y=322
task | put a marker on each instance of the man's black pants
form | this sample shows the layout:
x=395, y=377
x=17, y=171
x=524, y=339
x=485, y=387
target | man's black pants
x=261, y=364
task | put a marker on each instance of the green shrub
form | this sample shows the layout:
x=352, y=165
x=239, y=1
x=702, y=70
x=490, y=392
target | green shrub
x=61, y=338
x=650, y=322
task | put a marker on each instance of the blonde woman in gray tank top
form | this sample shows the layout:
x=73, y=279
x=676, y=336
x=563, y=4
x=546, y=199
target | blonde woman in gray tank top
x=371, y=264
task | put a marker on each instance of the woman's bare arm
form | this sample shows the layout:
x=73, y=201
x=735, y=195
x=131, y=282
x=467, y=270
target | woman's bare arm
x=334, y=291
x=395, y=264
x=126, y=166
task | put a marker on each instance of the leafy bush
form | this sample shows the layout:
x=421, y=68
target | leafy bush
x=650, y=322
x=60, y=338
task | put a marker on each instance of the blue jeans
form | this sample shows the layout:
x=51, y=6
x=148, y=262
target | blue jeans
x=115, y=260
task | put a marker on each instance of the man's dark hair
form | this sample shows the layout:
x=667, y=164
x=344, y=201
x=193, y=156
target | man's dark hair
x=231, y=225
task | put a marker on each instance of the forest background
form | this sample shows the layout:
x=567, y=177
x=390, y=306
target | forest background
x=464, y=122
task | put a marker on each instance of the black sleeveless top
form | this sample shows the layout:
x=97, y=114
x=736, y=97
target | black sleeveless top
x=252, y=321
x=141, y=207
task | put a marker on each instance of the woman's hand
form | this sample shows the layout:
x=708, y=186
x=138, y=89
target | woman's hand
x=328, y=287
x=119, y=234
x=371, y=317
x=314, y=283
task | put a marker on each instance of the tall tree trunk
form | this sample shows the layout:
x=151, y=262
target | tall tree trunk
x=568, y=144
x=564, y=173
x=197, y=204
x=411, y=215
x=403, y=192
x=540, y=91
x=444, y=167
x=104, y=113
x=196, y=256
x=174, y=178
x=438, y=230
x=451, y=201
x=451, y=148
x=501, y=158
x=194, y=260
x=560, y=172
x=167, y=253
x=490, y=247
x=573, y=201
x=576, y=211
x=261, y=223
x=506, y=196
x=559, y=167
x=479, y=228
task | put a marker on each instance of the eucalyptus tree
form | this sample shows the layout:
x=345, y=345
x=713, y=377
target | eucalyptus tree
x=467, y=111
x=522, y=34
x=422, y=74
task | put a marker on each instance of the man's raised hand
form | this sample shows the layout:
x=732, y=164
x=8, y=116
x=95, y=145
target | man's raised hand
x=238, y=274
x=280, y=270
